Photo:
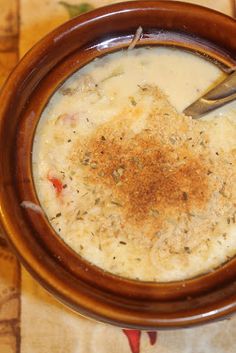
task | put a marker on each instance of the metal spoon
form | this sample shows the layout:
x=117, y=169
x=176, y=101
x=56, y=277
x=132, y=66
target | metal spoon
x=223, y=93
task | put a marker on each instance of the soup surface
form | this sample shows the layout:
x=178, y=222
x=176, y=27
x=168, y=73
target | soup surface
x=129, y=182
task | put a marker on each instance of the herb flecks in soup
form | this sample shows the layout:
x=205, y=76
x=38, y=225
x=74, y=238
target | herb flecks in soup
x=129, y=182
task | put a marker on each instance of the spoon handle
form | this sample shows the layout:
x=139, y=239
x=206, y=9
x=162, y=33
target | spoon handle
x=223, y=93
x=225, y=89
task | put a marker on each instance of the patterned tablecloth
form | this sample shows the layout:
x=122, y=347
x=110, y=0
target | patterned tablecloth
x=31, y=321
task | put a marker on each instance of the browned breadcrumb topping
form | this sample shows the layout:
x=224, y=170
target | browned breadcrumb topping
x=164, y=179
x=146, y=175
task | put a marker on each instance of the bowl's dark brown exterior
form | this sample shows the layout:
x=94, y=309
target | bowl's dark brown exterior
x=75, y=282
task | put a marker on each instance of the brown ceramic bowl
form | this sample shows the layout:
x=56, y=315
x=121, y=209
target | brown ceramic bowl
x=83, y=287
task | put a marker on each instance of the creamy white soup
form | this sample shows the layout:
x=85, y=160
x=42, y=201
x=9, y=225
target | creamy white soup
x=126, y=179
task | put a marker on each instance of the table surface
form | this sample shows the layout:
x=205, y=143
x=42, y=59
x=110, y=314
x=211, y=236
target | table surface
x=31, y=321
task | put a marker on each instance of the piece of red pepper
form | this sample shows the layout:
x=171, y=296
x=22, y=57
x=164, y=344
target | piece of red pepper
x=57, y=184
